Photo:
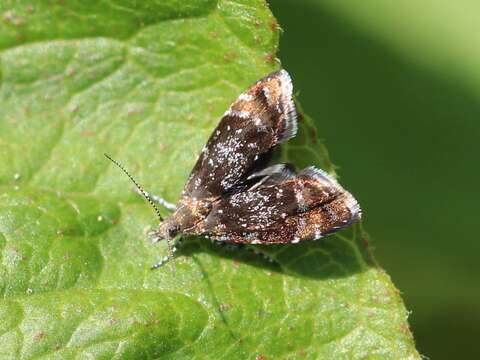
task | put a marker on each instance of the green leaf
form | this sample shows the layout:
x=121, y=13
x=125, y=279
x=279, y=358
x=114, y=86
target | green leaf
x=147, y=82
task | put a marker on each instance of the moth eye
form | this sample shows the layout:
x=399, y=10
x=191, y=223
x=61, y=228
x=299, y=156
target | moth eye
x=173, y=231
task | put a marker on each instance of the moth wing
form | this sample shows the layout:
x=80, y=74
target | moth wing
x=271, y=175
x=305, y=207
x=260, y=118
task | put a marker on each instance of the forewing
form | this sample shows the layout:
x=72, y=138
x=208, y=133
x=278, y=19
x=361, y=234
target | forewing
x=305, y=207
x=259, y=119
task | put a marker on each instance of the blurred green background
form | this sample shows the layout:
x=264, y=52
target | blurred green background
x=394, y=88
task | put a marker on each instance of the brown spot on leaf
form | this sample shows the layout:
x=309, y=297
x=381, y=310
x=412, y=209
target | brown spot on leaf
x=210, y=107
x=70, y=72
x=274, y=25
x=87, y=133
x=18, y=21
x=270, y=58
x=366, y=243
x=313, y=134
x=300, y=117
x=302, y=353
x=134, y=111
x=229, y=57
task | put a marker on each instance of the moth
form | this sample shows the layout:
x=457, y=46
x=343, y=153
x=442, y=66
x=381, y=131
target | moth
x=234, y=195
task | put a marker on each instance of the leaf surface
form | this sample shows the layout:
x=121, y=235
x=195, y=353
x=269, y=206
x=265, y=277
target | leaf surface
x=147, y=82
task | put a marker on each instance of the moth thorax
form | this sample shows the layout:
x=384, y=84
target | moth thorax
x=201, y=208
x=189, y=212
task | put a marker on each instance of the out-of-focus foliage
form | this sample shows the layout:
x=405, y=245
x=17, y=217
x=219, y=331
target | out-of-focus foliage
x=394, y=87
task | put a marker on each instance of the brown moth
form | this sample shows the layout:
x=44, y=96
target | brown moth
x=234, y=195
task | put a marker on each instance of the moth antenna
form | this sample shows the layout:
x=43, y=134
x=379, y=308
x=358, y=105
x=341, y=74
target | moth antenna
x=145, y=195
x=143, y=192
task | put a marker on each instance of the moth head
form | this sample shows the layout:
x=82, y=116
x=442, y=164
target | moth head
x=188, y=212
x=168, y=229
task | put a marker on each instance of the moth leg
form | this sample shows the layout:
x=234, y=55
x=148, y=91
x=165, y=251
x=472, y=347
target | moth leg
x=253, y=249
x=158, y=200
x=258, y=252
x=175, y=247
x=154, y=236
x=228, y=246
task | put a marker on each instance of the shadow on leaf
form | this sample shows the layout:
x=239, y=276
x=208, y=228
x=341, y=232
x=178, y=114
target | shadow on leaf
x=335, y=256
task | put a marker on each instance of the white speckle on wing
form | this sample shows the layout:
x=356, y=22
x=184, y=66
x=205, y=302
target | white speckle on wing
x=279, y=194
x=301, y=203
x=222, y=238
x=302, y=223
x=250, y=236
x=286, y=82
x=198, y=182
x=266, y=92
x=258, y=205
x=242, y=114
x=245, y=97
x=228, y=155
x=353, y=206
